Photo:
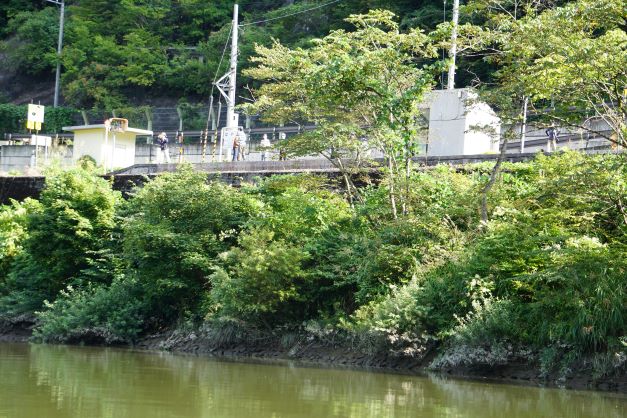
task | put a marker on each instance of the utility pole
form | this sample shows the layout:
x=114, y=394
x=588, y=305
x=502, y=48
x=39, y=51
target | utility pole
x=227, y=85
x=453, y=50
x=228, y=82
x=231, y=121
x=57, y=79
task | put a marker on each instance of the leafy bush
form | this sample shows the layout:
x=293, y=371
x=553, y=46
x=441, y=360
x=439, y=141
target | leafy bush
x=100, y=313
x=491, y=322
x=297, y=212
x=13, y=232
x=552, y=260
x=582, y=292
x=546, y=274
x=259, y=278
x=74, y=222
x=173, y=229
x=13, y=118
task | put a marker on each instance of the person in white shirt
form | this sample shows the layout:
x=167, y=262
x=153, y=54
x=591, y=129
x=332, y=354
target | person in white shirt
x=265, y=146
x=163, y=152
x=241, y=136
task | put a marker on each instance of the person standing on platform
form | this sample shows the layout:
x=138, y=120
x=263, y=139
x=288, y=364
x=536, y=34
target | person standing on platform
x=552, y=133
x=163, y=153
x=241, y=136
x=265, y=146
x=236, y=148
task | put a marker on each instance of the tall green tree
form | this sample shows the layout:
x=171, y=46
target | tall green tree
x=567, y=58
x=365, y=83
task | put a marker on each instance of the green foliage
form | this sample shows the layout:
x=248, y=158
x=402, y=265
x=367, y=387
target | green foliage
x=173, y=229
x=13, y=232
x=273, y=253
x=13, y=118
x=56, y=118
x=73, y=223
x=148, y=50
x=548, y=270
x=33, y=47
x=259, y=278
x=545, y=274
x=362, y=83
x=102, y=313
x=571, y=55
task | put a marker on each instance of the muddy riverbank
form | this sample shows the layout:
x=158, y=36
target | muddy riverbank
x=311, y=350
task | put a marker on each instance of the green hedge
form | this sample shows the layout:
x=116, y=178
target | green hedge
x=13, y=118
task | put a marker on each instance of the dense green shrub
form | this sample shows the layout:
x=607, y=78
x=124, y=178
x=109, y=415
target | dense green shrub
x=259, y=277
x=173, y=229
x=551, y=264
x=13, y=118
x=274, y=252
x=580, y=297
x=74, y=223
x=297, y=210
x=547, y=273
x=13, y=232
x=101, y=313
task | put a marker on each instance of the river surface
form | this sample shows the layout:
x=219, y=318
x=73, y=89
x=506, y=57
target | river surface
x=39, y=381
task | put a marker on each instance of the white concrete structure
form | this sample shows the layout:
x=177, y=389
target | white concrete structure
x=115, y=150
x=461, y=125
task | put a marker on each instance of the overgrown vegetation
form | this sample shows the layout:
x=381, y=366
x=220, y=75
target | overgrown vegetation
x=491, y=263
x=547, y=272
x=118, y=52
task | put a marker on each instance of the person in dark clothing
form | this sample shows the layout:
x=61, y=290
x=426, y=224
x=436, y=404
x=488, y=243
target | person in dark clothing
x=163, y=152
x=552, y=133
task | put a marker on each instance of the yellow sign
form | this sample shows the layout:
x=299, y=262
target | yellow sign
x=36, y=126
x=35, y=113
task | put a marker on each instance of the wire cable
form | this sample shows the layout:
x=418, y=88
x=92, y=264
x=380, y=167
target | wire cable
x=291, y=14
x=215, y=77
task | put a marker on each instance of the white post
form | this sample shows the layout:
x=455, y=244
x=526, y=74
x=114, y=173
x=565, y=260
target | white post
x=523, y=129
x=230, y=113
x=106, y=150
x=221, y=145
x=112, y=153
x=453, y=50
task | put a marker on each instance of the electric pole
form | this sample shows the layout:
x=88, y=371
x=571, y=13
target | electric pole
x=57, y=79
x=230, y=112
x=227, y=85
x=453, y=50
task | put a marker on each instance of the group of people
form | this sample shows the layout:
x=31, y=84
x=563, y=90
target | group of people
x=239, y=146
x=238, y=150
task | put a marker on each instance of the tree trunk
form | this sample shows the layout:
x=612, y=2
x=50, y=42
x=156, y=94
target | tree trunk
x=490, y=184
x=392, y=197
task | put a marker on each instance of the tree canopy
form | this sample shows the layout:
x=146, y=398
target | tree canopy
x=120, y=51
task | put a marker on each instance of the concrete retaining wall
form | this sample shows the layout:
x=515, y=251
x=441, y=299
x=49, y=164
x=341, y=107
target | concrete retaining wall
x=22, y=159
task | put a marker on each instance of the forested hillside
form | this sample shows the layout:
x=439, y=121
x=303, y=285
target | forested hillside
x=121, y=51
x=564, y=55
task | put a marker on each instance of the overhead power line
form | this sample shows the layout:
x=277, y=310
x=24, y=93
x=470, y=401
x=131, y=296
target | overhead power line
x=226, y=45
x=291, y=14
x=215, y=77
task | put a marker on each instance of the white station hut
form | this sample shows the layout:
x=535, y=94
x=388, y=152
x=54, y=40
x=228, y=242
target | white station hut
x=111, y=144
x=460, y=124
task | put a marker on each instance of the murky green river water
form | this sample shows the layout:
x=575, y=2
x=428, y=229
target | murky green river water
x=75, y=382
